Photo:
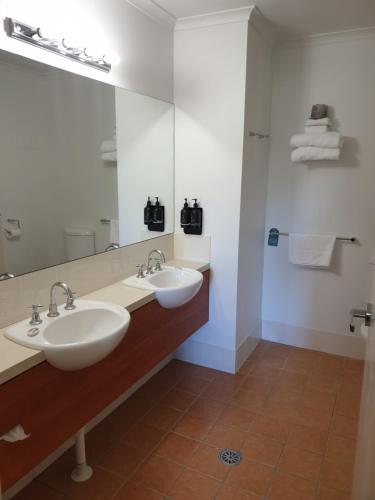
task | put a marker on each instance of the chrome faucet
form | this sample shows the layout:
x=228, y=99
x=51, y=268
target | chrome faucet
x=6, y=276
x=158, y=266
x=52, y=309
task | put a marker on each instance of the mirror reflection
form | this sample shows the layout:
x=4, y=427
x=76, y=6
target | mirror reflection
x=79, y=160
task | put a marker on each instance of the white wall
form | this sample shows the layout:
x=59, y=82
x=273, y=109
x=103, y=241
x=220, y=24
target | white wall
x=333, y=198
x=253, y=191
x=145, y=162
x=140, y=48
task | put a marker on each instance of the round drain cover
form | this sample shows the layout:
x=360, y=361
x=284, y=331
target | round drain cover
x=230, y=457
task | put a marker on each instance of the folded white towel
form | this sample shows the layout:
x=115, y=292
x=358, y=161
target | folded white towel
x=310, y=154
x=322, y=121
x=114, y=231
x=311, y=250
x=327, y=140
x=108, y=146
x=110, y=156
x=317, y=129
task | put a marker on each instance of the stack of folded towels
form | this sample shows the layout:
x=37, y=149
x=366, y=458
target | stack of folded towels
x=108, y=149
x=317, y=143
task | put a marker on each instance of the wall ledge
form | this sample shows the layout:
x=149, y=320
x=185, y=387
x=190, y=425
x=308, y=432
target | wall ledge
x=214, y=19
x=329, y=38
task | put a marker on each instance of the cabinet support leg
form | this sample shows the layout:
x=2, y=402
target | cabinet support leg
x=82, y=471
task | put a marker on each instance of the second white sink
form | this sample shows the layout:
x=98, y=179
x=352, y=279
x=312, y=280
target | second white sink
x=75, y=339
x=173, y=286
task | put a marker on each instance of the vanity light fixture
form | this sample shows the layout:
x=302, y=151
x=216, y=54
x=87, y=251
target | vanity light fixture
x=25, y=33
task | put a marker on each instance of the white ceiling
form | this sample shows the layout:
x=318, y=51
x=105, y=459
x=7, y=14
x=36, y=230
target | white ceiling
x=291, y=18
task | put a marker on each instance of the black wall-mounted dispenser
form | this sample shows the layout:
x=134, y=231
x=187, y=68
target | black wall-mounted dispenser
x=154, y=216
x=192, y=218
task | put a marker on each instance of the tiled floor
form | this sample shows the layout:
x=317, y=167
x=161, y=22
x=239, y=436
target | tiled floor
x=292, y=413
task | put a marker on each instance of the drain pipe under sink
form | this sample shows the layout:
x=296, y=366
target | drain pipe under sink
x=82, y=472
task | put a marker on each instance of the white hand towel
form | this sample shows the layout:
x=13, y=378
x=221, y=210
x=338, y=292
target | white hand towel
x=321, y=121
x=108, y=146
x=328, y=140
x=110, y=156
x=114, y=231
x=315, y=154
x=311, y=250
x=317, y=129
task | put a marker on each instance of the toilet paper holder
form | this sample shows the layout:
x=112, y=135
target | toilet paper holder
x=14, y=222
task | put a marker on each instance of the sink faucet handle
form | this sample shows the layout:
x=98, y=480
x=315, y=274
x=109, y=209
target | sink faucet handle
x=140, y=268
x=69, y=306
x=35, y=316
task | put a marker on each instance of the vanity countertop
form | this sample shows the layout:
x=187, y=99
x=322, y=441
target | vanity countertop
x=15, y=359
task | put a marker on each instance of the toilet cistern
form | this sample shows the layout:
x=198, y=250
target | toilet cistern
x=69, y=306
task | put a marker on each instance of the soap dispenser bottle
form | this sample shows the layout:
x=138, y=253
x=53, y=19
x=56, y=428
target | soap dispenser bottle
x=185, y=214
x=196, y=214
x=148, y=212
x=157, y=215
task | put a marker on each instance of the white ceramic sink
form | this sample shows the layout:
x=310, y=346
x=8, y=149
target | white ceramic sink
x=173, y=286
x=76, y=339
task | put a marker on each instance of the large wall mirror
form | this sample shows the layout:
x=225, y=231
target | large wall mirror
x=78, y=161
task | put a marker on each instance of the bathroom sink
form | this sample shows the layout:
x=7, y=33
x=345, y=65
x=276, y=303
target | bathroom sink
x=75, y=339
x=173, y=286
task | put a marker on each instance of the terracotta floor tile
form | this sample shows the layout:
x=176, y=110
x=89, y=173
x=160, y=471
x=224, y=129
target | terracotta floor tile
x=300, y=463
x=206, y=408
x=323, y=382
x=318, y=400
x=312, y=417
x=337, y=475
x=194, y=485
x=232, y=492
x=352, y=364
x=234, y=379
x=162, y=417
x=202, y=372
x=264, y=371
x=344, y=426
x=261, y=449
x=158, y=474
x=143, y=436
x=219, y=391
x=102, y=485
x=135, y=491
x=246, y=367
x=252, y=477
x=249, y=400
x=280, y=409
x=307, y=438
x=293, y=379
x=305, y=355
x=121, y=459
x=177, y=448
x=193, y=427
x=340, y=448
x=205, y=460
x=275, y=359
x=263, y=385
x=299, y=366
x=270, y=427
x=349, y=401
x=285, y=487
x=179, y=400
x=222, y=436
x=37, y=491
x=329, y=494
x=194, y=385
x=235, y=416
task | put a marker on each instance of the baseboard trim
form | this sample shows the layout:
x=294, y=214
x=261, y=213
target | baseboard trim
x=247, y=347
x=208, y=355
x=332, y=343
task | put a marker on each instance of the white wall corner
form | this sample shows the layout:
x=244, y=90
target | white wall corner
x=215, y=18
x=154, y=11
x=247, y=346
x=209, y=355
x=329, y=342
x=263, y=26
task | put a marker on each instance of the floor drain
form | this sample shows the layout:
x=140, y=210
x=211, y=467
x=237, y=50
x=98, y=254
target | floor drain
x=230, y=457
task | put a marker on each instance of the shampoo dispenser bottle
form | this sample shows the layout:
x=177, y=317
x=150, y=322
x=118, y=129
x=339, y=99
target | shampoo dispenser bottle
x=157, y=215
x=148, y=212
x=196, y=214
x=185, y=214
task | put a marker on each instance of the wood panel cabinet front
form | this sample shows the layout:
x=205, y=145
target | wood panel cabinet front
x=52, y=405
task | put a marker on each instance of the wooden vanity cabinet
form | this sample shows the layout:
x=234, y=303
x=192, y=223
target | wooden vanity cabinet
x=52, y=405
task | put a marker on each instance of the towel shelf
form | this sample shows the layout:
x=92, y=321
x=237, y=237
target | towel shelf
x=340, y=238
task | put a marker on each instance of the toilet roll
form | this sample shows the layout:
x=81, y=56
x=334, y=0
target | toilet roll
x=12, y=232
x=15, y=434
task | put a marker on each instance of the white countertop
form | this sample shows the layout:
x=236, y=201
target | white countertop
x=15, y=359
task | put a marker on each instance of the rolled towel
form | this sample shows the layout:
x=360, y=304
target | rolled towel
x=317, y=129
x=110, y=156
x=327, y=140
x=108, y=146
x=321, y=121
x=311, y=153
x=311, y=250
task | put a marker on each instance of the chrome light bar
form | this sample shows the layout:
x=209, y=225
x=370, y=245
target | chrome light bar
x=25, y=33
